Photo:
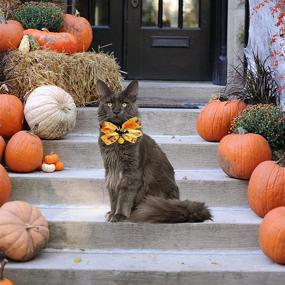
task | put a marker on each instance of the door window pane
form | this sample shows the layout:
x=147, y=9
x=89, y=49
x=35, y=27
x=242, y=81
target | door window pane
x=149, y=12
x=191, y=14
x=170, y=13
x=101, y=13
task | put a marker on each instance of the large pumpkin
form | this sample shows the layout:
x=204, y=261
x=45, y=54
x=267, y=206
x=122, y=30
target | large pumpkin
x=11, y=33
x=80, y=28
x=214, y=121
x=272, y=235
x=23, y=231
x=24, y=152
x=266, y=188
x=2, y=148
x=60, y=42
x=239, y=154
x=11, y=115
x=5, y=185
x=52, y=109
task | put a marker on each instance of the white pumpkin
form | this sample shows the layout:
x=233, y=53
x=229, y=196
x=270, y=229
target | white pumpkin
x=48, y=167
x=52, y=110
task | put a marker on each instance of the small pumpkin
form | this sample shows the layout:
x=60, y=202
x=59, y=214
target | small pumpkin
x=23, y=231
x=51, y=158
x=52, y=109
x=59, y=166
x=11, y=33
x=5, y=185
x=11, y=115
x=2, y=148
x=4, y=281
x=24, y=152
x=239, y=154
x=272, y=235
x=80, y=28
x=214, y=121
x=48, y=167
x=59, y=42
x=266, y=188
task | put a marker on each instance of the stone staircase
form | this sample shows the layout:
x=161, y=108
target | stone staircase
x=83, y=249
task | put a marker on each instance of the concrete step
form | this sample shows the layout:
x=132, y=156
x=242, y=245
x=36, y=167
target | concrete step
x=154, y=121
x=184, y=152
x=119, y=267
x=86, y=187
x=85, y=228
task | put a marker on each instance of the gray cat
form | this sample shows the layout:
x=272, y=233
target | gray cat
x=139, y=177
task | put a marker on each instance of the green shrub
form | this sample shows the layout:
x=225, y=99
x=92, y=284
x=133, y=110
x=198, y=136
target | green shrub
x=267, y=120
x=39, y=15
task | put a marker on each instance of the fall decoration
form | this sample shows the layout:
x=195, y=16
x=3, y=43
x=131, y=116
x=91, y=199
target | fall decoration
x=11, y=33
x=215, y=119
x=28, y=43
x=23, y=231
x=11, y=115
x=48, y=167
x=59, y=165
x=80, y=28
x=4, y=281
x=51, y=158
x=59, y=42
x=24, y=152
x=2, y=148
x=5, y=185
x=77, y=74
x=266, y=188
x=52, y=109
x=272, y=235
x=239, y=154
x=39, y=15
x=266, y=120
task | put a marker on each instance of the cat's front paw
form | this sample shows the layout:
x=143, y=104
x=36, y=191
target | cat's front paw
x=118, y=218
x=109, y=215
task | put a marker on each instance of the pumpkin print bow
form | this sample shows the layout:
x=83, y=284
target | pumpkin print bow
x=128, y=132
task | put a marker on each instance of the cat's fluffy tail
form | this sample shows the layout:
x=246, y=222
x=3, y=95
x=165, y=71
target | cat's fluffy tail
x=160, y=210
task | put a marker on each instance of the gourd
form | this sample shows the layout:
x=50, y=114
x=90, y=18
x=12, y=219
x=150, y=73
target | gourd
x=59, y=165
x=28, y=43
x=11, y=115
x=2, y=148
x=239, y=154
x=23, y=231
x=48, y=167
x=52, y=109
x=51, y=158
x=80, y=28
x=214, y=121
x=5, y=185
x=24, y=152
x=266, y=188
x=59, y=42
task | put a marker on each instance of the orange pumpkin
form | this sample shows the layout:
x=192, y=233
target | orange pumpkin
x=60, y=42
x=272, y=235
x=2, y=148
x=266, y=188
x=4, y=281
x=5, y=185
x=11, y=115
x=51, y=158
x=239, y=154
x=23, y=231
x=11, y=33
x=24, y=152
x=59, y=166
x=214, y=121
x=80, y=28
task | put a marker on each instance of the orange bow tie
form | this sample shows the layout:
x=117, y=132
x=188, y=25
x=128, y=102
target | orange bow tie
x=128, y=132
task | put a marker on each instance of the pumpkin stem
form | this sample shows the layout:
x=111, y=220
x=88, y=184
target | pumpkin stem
x=241, y=131
x=29, y=227
x=45, y=30
x=77, y=13
x=3, y=263
x=2, y=17
x=281, y=160
x=4, y=87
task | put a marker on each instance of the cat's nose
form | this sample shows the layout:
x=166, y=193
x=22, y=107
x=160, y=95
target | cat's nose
x=116, y=112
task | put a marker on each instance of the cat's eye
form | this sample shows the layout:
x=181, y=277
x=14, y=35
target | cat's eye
x=109, y=104
x=125, y=105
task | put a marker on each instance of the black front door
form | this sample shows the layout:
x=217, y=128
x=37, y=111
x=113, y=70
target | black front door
x=154, y=39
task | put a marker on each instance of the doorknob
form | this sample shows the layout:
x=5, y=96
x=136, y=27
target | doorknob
x=135, y=3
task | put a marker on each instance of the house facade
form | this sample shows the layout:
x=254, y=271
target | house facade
x=182, y=40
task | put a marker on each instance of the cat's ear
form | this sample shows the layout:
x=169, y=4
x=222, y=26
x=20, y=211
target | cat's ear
x=132, y=90
x=103, y=89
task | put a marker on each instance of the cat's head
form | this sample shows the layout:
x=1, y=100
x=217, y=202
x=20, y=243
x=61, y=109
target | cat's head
x=117, y=107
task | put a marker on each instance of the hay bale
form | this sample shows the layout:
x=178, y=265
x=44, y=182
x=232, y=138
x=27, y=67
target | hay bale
x=77, y=74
